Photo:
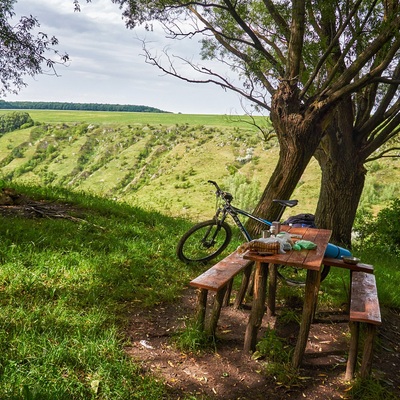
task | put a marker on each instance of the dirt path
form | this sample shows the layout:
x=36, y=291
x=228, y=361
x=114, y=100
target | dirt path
x=229, y=374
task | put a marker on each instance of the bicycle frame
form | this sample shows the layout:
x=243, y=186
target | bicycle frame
x=229, y=209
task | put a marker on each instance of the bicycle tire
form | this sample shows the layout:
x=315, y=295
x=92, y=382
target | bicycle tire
x=194, y=247
x=296, y=276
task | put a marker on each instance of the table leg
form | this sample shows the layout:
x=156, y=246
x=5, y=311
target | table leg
x=310, y=301
x=271, y=290
x=258, y=306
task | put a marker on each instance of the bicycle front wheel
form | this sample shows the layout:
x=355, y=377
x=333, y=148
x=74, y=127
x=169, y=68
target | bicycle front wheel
x=204, y=241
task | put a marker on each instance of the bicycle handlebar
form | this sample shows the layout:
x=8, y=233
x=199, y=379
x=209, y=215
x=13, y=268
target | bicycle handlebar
x=225, y=195
x=215, y=184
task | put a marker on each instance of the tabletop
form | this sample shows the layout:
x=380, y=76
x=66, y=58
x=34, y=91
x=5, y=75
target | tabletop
x=308, y=259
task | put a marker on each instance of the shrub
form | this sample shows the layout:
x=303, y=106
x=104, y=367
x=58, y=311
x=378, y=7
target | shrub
x=15, y=120
x=382, y=232
x=246, y=194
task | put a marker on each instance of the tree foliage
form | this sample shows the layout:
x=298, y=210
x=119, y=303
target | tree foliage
x=15, y=120
x=53, y=105
x=23, y=49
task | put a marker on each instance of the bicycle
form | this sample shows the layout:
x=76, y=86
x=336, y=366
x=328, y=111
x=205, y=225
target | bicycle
x=206, y=240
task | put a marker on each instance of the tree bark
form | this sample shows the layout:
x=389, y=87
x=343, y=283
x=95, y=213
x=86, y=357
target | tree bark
x=299, y=132
x=343, y=176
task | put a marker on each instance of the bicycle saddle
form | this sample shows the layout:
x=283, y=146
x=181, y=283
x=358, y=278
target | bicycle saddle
x=286, y=203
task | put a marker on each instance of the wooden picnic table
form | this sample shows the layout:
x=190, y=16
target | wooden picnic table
x=311, y=260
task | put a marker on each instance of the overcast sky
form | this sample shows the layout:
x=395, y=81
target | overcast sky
x=107, y=64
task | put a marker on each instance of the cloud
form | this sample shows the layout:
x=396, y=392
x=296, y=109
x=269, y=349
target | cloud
x=107, y=63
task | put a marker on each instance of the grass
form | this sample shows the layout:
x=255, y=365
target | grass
x=98, y=117
x=65, y=286
x=64, y=289
x=163, y=161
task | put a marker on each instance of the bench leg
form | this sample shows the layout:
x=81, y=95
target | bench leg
x=353, y=350
x=201, y=308
x=250, y=286
x=366, y=362
x=216, y=311
x=243, y=288
x=228, y=292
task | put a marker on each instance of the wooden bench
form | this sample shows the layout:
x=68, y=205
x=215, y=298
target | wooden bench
x=338, y=262
x=219, y=278
x=364, y=308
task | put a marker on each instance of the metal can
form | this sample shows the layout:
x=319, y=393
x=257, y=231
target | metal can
x=276, y=225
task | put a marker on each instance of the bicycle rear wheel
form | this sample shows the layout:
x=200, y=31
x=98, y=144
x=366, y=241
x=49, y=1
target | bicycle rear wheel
x=204, y=241
x=297, y=276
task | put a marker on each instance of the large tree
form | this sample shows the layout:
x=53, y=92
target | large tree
x=23, y=49
x=325, y=71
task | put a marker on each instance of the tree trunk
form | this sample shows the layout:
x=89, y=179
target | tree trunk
x=299, y=132
x=343, y=177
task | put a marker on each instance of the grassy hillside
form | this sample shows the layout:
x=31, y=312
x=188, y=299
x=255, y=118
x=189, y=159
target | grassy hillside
x=161, y=161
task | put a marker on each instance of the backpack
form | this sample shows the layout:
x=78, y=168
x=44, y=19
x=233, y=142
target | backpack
x=301, y=220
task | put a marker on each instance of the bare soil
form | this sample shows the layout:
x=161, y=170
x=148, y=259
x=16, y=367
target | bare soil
x=228, y=373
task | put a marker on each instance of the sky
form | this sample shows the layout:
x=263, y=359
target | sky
x=107, y=64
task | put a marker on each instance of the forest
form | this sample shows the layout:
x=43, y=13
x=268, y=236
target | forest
x=52, y=105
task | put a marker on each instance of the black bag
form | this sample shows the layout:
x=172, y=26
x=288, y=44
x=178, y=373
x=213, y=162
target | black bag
x=299, y=220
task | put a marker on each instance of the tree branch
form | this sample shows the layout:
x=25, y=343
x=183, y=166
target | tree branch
x=328, y=51
x=343, y=86
x=216, y=79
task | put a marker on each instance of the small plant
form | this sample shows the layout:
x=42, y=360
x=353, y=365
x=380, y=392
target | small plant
x=246, y=194
x=370, y=389
x=192, y=339
x=272, y=347
x=382, y=232
x=287, y=316
x=277, y=359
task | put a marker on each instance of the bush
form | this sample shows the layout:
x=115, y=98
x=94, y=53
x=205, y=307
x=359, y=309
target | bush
x=246, y=193
x=381, y=232
x=15, y=120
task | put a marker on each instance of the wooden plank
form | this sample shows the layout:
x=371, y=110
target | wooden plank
x=337, y=262
x=215, y=312
x=364, y=303
x=367, y=356
x=201, y=308
x=243, y=287
x=221, y=273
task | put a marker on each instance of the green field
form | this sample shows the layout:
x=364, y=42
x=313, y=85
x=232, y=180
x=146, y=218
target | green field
x=98, y=117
